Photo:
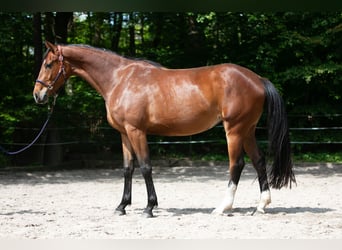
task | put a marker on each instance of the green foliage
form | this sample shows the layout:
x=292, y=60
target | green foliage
x=16, y=78
x=318, y=157
x=300, y=52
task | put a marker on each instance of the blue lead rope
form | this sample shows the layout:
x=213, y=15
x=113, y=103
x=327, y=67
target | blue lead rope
x=29, y=145
x=50, y=111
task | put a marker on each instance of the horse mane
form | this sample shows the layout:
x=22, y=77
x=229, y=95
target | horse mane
x=116, y=54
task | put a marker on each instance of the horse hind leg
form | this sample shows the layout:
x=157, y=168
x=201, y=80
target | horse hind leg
x=259, y=164
x=236, y=165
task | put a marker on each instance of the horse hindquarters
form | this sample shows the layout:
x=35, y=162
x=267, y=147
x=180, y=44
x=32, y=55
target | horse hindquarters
x=242, y=107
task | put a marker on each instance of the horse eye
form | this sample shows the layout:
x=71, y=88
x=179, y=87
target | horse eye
x=48, y=65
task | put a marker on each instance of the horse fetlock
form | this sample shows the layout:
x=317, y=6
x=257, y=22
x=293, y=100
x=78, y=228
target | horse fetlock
x=120, y=211
x=152, y=201
x=227, y=203
x=148, y=212
x=265, y=199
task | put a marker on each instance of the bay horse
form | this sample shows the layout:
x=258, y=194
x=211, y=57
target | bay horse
x=143, y=98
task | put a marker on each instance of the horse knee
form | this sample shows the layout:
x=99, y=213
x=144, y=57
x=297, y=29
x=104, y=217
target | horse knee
x=146, y=170
x=128, y=172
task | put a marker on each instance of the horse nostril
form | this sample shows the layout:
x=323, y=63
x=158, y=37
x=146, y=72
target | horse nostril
x=35, y=96
x=41, y=97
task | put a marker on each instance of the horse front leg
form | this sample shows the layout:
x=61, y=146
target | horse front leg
x=128, y=163
x=139, y=143
x=146, y=171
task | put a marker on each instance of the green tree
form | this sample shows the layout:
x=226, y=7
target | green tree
x=300, y=52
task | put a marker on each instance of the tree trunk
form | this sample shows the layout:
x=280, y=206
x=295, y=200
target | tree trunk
x=131, y=35
x=53, y=153
x=158, y=17
x=49, y=30
x=98, y=21
x=117, y=27
x=37, y=42
x=62, y=21
x=195, y=46
x=142, y=22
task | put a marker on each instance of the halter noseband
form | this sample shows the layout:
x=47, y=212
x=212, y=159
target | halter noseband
x=60, y=72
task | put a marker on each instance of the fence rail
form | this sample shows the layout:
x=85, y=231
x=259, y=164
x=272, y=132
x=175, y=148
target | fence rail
x=82, y=144
x=189, y=141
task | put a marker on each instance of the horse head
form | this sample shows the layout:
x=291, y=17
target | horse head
x=53, y=74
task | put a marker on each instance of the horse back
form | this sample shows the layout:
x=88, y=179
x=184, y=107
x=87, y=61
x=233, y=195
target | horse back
x=182, y=101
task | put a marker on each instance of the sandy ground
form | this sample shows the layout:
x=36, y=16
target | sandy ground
x=80, y=204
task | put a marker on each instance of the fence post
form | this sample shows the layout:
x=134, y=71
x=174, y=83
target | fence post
x=53, y=154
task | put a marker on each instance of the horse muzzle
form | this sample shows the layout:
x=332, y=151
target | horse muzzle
x=41, y=96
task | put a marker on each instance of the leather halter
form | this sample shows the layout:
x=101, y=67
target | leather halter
x=61, y=71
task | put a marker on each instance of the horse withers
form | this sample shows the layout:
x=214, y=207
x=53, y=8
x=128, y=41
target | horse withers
x=144, y=98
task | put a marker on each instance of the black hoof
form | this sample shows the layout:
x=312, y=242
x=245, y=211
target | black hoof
x=120, y=211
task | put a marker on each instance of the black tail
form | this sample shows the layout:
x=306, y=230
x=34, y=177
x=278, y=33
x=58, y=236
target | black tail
x=281, y=173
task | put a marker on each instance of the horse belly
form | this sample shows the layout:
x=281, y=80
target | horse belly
x=184, y=125
x=182, y=109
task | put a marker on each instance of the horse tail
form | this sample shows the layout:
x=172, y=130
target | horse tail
x=279, y=147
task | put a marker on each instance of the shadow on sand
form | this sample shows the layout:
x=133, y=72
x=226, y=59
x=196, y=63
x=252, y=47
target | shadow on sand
x=249, y=211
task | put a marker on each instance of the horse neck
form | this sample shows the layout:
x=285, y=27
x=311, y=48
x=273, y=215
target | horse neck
x=95, y=66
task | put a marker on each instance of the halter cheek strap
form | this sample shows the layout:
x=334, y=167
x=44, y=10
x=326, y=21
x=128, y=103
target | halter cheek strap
x=60, y=57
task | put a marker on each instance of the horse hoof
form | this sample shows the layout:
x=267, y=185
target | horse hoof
x=258, y=211
x=221, y=211
x=120, y=211
x=216, y=212
x=147, y=214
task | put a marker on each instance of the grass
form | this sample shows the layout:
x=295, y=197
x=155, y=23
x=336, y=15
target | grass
x=318, y=157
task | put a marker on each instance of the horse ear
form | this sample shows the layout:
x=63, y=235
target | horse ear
x=51, y=46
